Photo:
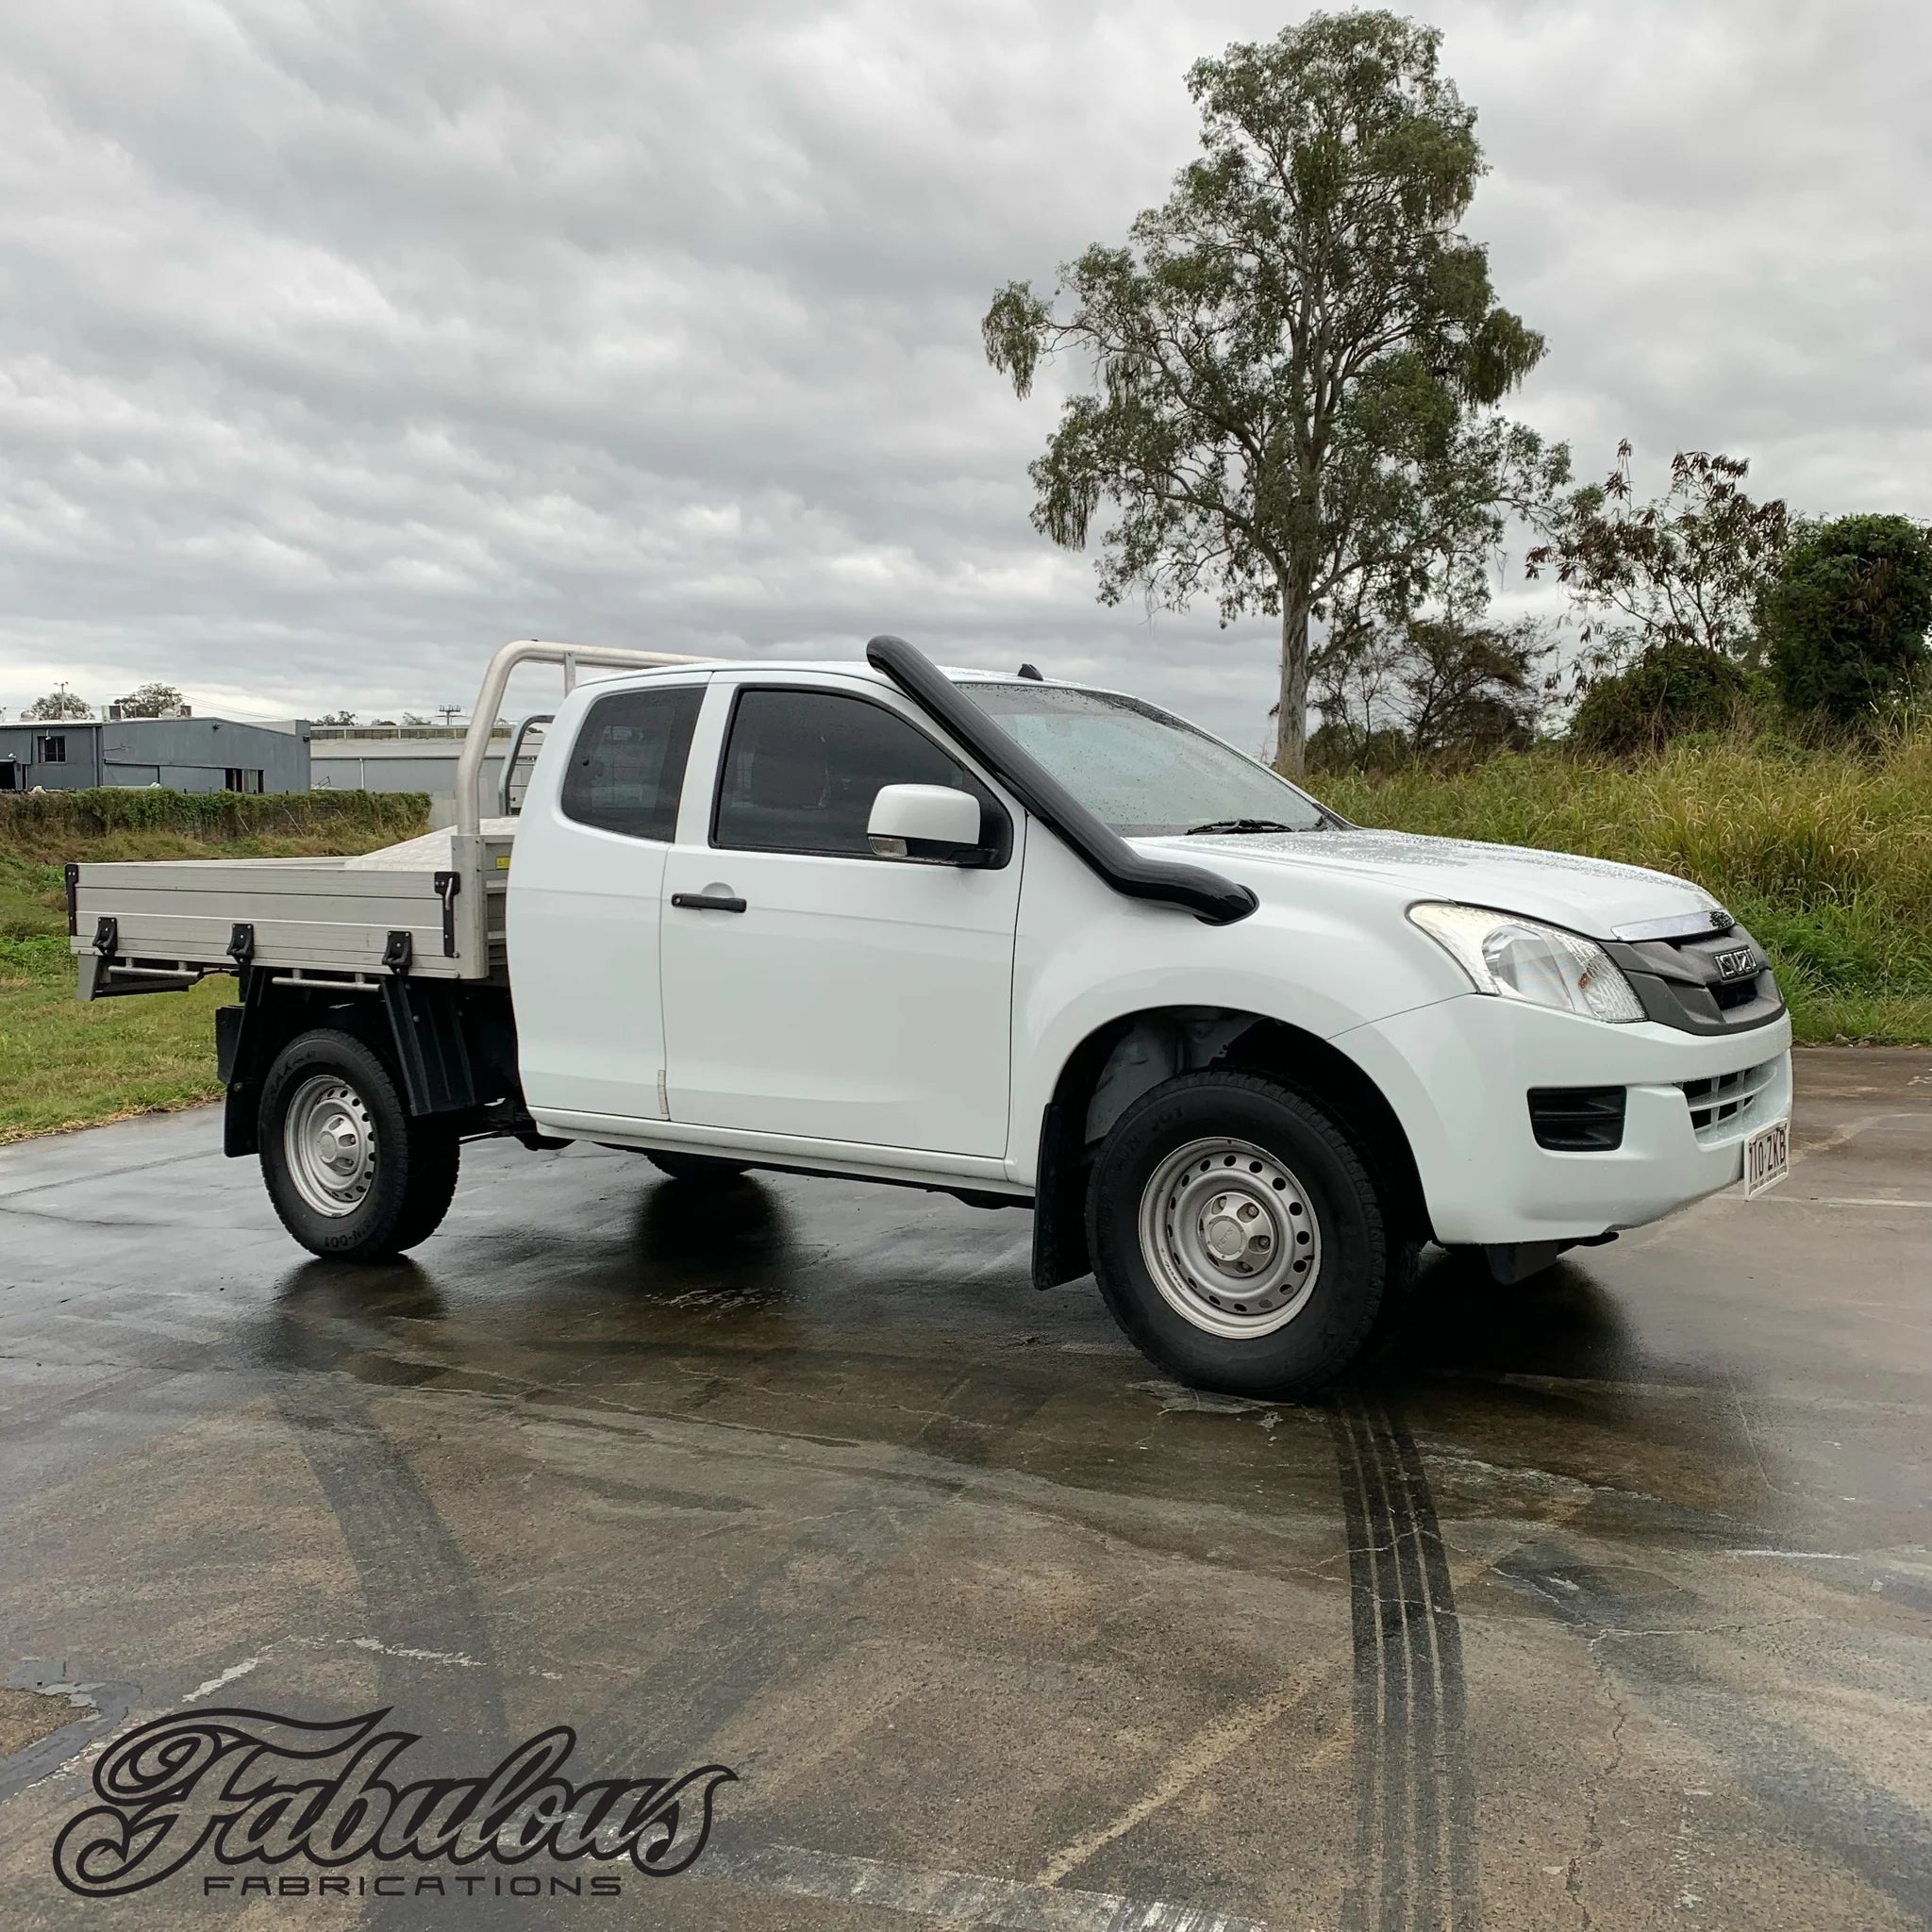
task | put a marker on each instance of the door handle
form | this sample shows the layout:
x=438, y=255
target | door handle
x=709, y=902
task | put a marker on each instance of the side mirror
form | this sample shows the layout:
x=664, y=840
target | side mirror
x=929, y=823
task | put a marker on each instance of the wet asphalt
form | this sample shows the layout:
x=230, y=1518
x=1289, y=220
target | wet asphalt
x=1606, y=1602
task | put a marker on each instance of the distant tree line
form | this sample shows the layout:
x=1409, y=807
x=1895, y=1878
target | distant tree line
x=145, y=701
x=1703, y=610
x=1700, y=611
x=159, y=700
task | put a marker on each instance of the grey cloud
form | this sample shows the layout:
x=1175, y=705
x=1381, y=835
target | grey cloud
x=341, y=343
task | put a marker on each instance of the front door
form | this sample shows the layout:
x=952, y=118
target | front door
x=852, y=998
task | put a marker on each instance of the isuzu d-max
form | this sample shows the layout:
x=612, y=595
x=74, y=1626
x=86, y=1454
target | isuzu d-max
x=1023, y=942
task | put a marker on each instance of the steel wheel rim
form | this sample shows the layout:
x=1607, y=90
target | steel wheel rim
x=328, y=1145
x=1230, y=1238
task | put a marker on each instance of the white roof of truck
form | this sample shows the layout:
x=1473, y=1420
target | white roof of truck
x=841, y=667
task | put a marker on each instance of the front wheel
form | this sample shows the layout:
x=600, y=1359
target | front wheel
x=1239, y=1238
x=353, y=1176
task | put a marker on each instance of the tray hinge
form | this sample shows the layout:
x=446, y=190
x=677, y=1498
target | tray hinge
x=448, y=884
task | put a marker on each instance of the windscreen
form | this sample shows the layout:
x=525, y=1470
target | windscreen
x=1137, y=768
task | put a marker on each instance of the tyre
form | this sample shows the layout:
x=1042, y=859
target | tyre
x=352, y=1176
x=1239, y=1239
x=697, y=1167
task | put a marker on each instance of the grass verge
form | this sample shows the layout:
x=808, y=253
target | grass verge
x=65, y=1064
x=1825, y=856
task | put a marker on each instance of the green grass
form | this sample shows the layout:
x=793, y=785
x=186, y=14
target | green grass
x=1825, y=855
x=65, y=1064
x=31, y=898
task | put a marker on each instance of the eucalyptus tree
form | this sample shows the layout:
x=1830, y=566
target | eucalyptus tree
x=1289, y=357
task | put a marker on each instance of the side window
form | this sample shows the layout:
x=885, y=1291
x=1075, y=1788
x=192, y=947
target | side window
x=626, y=768
x=802, y=768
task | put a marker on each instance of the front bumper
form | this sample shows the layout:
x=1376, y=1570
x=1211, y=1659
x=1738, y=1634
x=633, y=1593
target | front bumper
x=1458, y=1074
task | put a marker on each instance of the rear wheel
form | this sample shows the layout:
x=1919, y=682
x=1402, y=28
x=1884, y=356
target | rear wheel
x=697, y=1167
x=1239, y=1238
x=352, y=1176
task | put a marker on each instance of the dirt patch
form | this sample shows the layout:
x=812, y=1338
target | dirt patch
x=26, y=1717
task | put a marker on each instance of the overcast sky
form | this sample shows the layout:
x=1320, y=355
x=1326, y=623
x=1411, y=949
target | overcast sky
x=340, y=342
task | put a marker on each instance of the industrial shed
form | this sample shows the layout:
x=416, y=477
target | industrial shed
x=184, y=754
x=403, y=759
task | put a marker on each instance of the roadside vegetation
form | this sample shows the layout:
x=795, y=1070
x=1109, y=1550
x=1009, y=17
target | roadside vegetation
x=63, y=1064
x=1826, y=854
x=1749, y=706
x=1709, y=683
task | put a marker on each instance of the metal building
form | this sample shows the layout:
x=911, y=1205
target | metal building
x=398, y=757
x=183, y=754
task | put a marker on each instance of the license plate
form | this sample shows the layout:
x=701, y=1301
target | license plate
x=1767, y=1158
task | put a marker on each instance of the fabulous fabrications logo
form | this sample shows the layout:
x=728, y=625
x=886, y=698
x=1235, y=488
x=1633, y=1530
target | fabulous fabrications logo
x=250, y=1787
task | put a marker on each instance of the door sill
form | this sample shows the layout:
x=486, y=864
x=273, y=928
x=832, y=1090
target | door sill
x=857, y=1158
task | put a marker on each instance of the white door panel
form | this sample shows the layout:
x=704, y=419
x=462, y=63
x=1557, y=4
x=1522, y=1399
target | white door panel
x=852, y=1000
x=585, y=900
x=595, y=1043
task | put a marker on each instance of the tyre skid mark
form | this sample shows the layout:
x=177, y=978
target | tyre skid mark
x=1415, y=1810
x=417, y=1587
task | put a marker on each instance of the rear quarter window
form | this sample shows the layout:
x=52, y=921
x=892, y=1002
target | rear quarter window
x=626, y=768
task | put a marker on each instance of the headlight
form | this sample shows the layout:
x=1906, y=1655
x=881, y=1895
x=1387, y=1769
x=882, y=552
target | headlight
x=1523, y=959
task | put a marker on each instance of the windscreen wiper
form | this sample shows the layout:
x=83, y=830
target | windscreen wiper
x=1238, y=826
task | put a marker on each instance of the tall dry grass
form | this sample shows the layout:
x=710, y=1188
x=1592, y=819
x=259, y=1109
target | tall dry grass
x=56, y=824
x=1824, y=853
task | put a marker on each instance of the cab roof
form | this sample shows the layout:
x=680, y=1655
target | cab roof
x=842, y=667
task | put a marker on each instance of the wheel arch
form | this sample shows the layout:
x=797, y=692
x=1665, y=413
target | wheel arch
x=451, y=1048
x=1128, y=1055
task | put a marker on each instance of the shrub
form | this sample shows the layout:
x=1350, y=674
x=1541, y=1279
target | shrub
x=1669, y=691
x=1848, y=613
x=1339, y=747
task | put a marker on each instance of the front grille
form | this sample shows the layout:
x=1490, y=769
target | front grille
x=1680, y=980
x=1578, y=1120
x=1720, y=1106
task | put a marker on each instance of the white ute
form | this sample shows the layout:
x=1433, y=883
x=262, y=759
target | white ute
x=1022, y=942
